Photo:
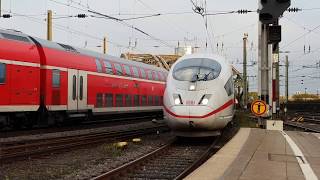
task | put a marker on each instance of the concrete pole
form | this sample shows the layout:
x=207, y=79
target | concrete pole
x=49, y=26
x=275, y=81
x=287, y=86
x=263, y=64
x=105, y=45
x=278, y=85
x=245, y=86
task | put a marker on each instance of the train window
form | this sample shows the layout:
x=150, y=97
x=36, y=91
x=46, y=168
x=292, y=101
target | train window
x=165, y=76
x=160, y=76
x=196, y=69
x=149, y=74
x=108, y=67
x=99, y=100
x=15, y=37
x=136, y=100
x=74, y=87
x=143, y=100
x=81, y=88
x=128, y=100
x=2, y=73
x=150, y=100
x=229, y=86
x=99, y=66
x=127, y=68
x=156, y=100
x=108, y=100
x=161, y=100
x=155, y=76
x=143, y=74
x=135, y=72
x=119, y=101
x=55, y=78
x=118, y=69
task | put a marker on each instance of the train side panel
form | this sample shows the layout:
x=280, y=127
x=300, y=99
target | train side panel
x=20, y=81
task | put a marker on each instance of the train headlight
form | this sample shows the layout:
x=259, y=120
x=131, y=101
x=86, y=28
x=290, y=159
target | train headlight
x=192, y=87
x=177, y=99
x=205, y=99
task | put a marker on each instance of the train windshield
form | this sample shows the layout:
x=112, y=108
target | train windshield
x=197, y=69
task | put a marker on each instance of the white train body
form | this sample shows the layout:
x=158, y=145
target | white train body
x=199, y=95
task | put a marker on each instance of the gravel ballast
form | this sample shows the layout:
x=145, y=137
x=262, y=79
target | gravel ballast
x=83, y=163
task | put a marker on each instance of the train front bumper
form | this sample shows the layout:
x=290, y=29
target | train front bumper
x=194, y=118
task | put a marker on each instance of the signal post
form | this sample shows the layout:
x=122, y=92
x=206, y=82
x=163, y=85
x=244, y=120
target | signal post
x=268, y=62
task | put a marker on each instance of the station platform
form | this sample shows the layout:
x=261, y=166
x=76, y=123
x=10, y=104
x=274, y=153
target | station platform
x=261, y=154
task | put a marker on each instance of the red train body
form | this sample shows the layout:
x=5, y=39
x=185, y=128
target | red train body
x=48, y=80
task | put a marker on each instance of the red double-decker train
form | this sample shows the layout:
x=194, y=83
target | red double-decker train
x=43, y=82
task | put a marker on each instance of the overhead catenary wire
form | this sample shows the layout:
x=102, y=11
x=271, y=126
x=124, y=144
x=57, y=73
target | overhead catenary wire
x=302, y=36
x=299, y=25
x=133, y=27
x=66, y=29
x=117, y=20
x=201, y=10
x=175, y=26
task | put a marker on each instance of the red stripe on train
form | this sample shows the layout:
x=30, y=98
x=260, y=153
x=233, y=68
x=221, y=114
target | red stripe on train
x=221, y=108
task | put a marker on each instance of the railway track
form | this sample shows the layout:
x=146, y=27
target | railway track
x=27, y=149
x=74, y=125
x=175, y=160
x=304, y=126
x=305, y=121
x=312, y=118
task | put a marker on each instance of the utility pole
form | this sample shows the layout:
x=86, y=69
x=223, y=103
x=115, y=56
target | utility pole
x=0, y=9
x=49, y=26
x=287, y=86
x=105, y=48
x=245, y=84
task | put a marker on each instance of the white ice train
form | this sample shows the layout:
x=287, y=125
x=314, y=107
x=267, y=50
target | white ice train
x=199, y=96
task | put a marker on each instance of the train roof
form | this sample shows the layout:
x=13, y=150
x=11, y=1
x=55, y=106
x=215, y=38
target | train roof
x=19, y=36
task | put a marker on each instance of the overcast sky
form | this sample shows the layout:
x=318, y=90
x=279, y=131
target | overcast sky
x=177, y=22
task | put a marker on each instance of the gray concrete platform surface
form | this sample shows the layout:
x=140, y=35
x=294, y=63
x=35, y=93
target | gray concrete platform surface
x=255, y=154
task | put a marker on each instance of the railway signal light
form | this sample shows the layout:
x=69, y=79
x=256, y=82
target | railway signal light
x=274, y=34
x=271, y=10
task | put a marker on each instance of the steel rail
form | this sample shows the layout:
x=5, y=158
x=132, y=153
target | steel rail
x=211, y=150
x=158, y=155
x=61, y=143
x=134, y=163
x=301, y=126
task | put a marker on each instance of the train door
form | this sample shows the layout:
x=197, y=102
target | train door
x=77, y=90
x=82, y=90
x=72, y=89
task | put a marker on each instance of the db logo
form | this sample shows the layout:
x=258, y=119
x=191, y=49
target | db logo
x=190, y=102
